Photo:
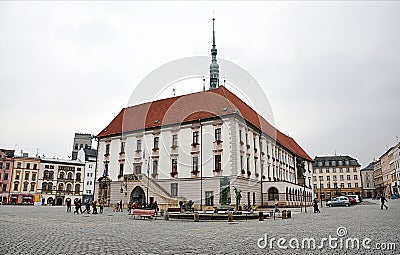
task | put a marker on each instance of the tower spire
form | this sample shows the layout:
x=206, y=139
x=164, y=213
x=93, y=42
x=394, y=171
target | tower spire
x=214, y=67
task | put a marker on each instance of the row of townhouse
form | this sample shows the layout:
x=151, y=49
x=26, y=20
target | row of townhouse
x=29, y=180
x=387, y=172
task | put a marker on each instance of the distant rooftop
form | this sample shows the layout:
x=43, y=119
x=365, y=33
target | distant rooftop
x=335, y=161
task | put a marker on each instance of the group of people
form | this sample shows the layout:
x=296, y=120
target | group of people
x=90, y=206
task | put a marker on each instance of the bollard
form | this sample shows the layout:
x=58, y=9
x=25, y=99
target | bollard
x=166, y=216
x=230, y=216
x=284, y=215
x=196, y=217
x=260, y=216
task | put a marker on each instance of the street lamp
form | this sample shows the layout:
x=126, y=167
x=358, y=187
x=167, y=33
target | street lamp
x=304, y=195
x=320, y=191
x=201, y=166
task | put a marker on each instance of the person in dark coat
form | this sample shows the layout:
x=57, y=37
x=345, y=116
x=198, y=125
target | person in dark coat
x=383, y=200
x=315, y=205
x=68, y=202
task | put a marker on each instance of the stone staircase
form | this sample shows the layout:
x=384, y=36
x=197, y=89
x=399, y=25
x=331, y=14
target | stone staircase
x=157, y=189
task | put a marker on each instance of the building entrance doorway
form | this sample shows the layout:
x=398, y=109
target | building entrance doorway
x=138, y=195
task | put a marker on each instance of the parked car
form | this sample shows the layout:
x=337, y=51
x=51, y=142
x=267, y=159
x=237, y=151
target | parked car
x=356, y=197
x=352, y=200
x=339, y=201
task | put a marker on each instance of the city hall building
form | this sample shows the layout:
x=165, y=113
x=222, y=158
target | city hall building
x=200, y=147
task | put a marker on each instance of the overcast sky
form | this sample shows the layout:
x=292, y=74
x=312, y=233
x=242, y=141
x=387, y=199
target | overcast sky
x=330, y=69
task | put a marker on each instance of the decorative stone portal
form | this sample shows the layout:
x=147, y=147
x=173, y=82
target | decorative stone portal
x=138, y=195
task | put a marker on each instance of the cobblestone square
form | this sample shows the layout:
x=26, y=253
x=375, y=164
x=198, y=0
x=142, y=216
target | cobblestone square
x=51, y=230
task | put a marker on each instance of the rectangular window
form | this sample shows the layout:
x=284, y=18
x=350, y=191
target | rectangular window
x=342, y=178
x=328, y=178
x=209, y=198
x=107, y=149
x=320, y=170
x=34, y=166
x=334, y=178
x=7, y=165
x=139, y=145
x=347, y=170
x=315, y=178
x=195, y=137
x=354, y=169
x=367, y=185
x=16, y=186
x=218, y=134
x=156, y=140
x=122, y=147
x=240, y=136
x=18, y=164
x=348, y=177
x=17, y=175
x=174, y=189
x=32, y=186
x=356, y=184
x=327, y=170
x=322, y=185
x=138, y=169
x=342, y=185
x=121, y=170
x=355, y=177
x=217, y=166
x=27, y=176
x=25, y=186
x=1, y=165
x=174, y=140
x=5, y=176
x=340, y=170
x=28, y=165
x=328, y=185
x=334, y=170
x=174, y=165
x=195, y=164
x=348, y=185
x=155, y=167
x=321, y=178
x=33, y=177
x=4, y=187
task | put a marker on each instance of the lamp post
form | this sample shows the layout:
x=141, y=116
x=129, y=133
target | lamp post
x=304, y=195
x=201, y=166
x=320, y=191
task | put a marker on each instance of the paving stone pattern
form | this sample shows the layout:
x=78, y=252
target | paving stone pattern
x=51, y=230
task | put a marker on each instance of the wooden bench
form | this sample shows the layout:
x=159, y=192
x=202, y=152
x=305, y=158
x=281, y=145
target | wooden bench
x=173, y=209
x=142, y=213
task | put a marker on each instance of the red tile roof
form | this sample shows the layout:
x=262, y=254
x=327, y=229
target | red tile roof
x=192, y=107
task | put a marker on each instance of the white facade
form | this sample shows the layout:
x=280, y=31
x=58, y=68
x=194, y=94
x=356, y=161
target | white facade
x=89, y=175
x=60, y=180
x=245, y=162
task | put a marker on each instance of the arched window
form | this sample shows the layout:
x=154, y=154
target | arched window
x=46, y=174
x=69, y=187
x=76, y=146
x=78, y=176
x=69, y=176
x=60, y=186
x=61, y=175
x=44, y=186
x=51, y=174
x=50, y=186
x=77, y=187
x=273, y=194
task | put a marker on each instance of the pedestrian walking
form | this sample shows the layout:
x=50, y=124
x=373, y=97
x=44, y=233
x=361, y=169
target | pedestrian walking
x=80, y=205
x=276, y=205
x=383, y=200
x=180, y=206
x=315, y=205
x=101, y=206
x=94, y=207
x=120, y=206
x=68, y=202
x=76, y=203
